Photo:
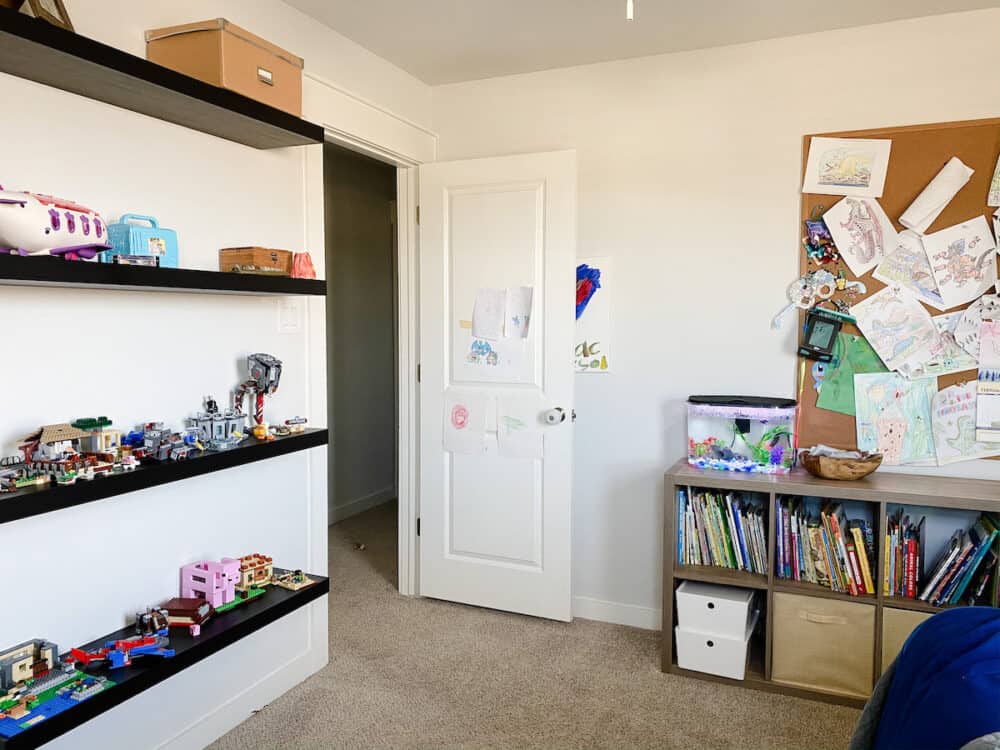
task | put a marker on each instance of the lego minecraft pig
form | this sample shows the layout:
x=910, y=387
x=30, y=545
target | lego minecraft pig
x=215, y=582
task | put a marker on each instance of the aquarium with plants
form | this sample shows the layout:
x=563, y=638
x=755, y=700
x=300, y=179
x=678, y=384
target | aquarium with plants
x=741, y=433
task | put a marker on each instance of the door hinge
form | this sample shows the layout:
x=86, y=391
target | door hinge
x=418, y=526
x=418, y=372
x=418, y=214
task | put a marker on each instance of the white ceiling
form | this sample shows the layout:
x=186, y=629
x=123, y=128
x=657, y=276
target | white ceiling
x=445, y=41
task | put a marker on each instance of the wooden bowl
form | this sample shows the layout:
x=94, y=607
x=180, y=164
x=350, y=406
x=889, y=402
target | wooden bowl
x=845, y=469
x=12, y=4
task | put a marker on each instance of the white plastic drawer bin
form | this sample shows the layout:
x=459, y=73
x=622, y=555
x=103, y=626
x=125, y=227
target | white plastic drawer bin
x=714, y=654
x=710, y=608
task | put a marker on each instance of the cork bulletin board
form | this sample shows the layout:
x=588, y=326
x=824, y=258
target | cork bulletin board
x=918, y=154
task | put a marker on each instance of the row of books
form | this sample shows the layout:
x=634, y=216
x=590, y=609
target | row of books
x=824, y=548
x=904, y=559
x=727, y=531
x=967, y=571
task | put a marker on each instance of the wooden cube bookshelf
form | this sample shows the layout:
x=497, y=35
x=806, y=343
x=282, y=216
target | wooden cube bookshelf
x=881, y=490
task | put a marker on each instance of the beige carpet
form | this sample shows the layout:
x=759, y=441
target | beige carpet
x=418, y=673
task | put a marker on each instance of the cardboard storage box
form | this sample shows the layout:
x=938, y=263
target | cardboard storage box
x=710, y=608
x=223, y=54
x=897, y=624
x=715, y=654
x=823, y=644
x=263, y=261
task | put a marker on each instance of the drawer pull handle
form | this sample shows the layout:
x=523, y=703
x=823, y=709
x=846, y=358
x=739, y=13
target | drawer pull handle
x=265, y=76
x=822, y=619
x=711, y=605
x=710, y=643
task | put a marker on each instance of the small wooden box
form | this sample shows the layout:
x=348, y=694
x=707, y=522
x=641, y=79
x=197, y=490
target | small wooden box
x=261, y=261
x=223, y=54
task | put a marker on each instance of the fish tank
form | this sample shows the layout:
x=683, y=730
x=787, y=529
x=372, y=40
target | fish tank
x=742, y=433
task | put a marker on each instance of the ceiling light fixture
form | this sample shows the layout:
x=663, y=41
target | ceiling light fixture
x=629, y=10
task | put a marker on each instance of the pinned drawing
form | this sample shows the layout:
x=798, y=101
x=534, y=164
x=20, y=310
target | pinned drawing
x=994, y=197
x=988, y=384
x=593, y=315
x=852, y=355
x=488, y=314
x=847, y=166
x=898, y=327
x=894, y=417
x=862, y=231
x=963, y=261
x=954, y=422
x=464, y=421
x=518, y=433
x=518, y=314
x=969, y=325
x=949, y=357
x=907, y=266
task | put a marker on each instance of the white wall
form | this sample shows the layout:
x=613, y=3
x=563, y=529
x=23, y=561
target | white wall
x=688, y=176
x=77, y=574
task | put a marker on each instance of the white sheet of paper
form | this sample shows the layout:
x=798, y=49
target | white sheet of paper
x=847, y=166
x=898, y=327
x=862, y=233
x=465, y=420
x=894, y=417
x=988, y=385
x=907, y=266
x=938, y=194
x=968, y=327
x=993, y=199
x=488, y=314
x=518, y=316
x=954, y=418
x=519, y=425
x=963, y=260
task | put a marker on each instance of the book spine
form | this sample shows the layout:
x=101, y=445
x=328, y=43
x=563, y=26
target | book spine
x=779, y=540
x=981, y=550
x=681, y=528
x=898, y=580
x=831, y=563
x=724, y=541
x=852, y=558
x=939, y=572
x=807, y=551
x=786, y=528
x=846, y=564
x=946, y=582
x=892, y=562
x=699, y=517
x=794, y=525
x=911, y=569
x=859, y=545
x=887, y=572
x=741, y=536
x=734, y=534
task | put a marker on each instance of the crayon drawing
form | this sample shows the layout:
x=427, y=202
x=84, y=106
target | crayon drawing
x=593, y=316
x=847, y=166
x=894, y=417
x=862, y=231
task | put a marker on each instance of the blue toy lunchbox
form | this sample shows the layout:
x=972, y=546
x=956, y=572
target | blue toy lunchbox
x=131, y=239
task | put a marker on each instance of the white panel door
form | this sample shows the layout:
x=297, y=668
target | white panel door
x=495, y=519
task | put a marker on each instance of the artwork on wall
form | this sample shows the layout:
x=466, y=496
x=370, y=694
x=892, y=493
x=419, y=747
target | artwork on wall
x=847, y=166
x=907, y=266
x=852, y=355
x=969, y=326
x=988, y=385
x=898, y=327
x=464, y=421
x=894, y=417
x=994, y=197
x=594, y=280
x=862, y=232
x=963, y=261
x=518, y=433
x=955, y=426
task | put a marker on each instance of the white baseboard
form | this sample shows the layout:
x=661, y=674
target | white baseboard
x=361, y=504
x=633, y=615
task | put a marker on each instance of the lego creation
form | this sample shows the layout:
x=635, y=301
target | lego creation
x=101, y=437
x=215, y=582
x=121, y=653
x=35, y=685
x=188, y=613
x=256, y=571
x=35, y=224
x=265, y=375
x=151, y=622
x=218, y=430
x=296, y=425
x=293, y=580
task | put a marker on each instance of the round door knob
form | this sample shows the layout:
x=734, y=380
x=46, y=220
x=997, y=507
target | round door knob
x=555, y=416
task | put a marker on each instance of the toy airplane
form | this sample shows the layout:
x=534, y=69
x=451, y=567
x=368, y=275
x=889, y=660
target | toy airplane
x=34, y=224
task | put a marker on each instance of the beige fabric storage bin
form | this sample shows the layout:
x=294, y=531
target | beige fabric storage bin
x=823, y=644
x=897, y=624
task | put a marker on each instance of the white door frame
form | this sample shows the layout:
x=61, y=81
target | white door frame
x=408, y=347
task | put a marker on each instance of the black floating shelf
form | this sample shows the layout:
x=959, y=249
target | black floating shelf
x=38, y=51
x=56, y=272
x=37, y=500
x=218, y=633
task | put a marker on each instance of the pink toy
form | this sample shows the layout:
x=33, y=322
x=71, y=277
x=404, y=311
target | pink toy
x=215, y=582
x=34, y=224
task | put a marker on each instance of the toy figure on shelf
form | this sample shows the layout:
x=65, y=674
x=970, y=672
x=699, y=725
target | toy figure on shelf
x=120, y=653
x=190, y=613
x=218, y=583
x=293, y=580
x=34, y=224
x=102, y=438
x=219, y=431
x=256, y=571
x=265, y=375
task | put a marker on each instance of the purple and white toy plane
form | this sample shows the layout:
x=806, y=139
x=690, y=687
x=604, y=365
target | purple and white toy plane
x=34, y=224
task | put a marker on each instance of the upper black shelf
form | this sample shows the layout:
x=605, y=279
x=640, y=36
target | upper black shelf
x=56, y=272
x=38, y=51
x=218, y=633
x=33, y=501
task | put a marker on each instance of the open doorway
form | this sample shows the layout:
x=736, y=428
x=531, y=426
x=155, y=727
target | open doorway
x=360, y=212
